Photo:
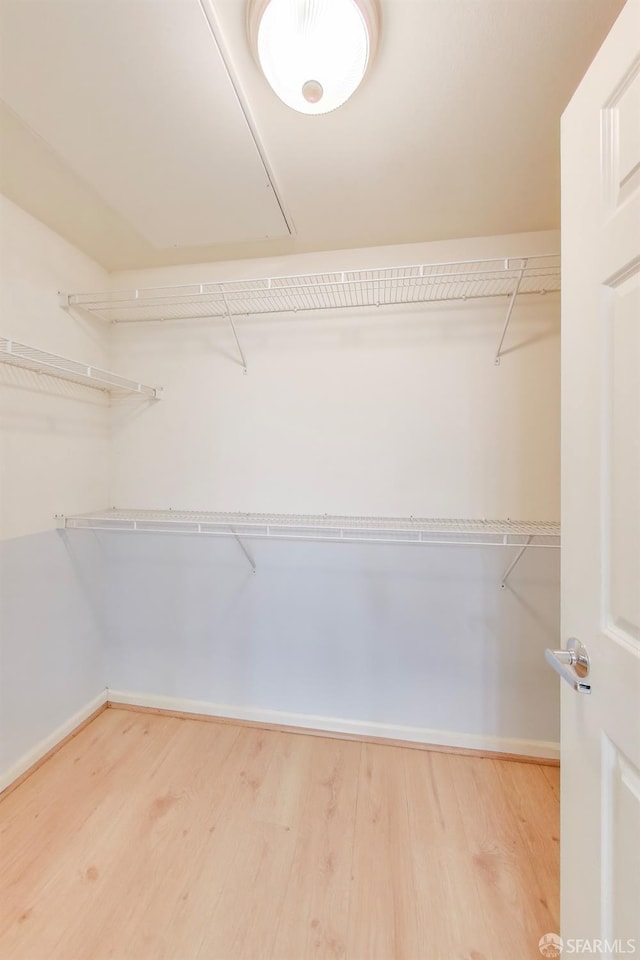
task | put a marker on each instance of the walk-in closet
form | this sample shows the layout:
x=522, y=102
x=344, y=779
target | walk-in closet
x=280, y=477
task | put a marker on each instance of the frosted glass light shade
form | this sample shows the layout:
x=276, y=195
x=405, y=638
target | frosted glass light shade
x=314, y=53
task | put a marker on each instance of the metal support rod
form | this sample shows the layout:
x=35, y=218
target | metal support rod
x=512, y=302
x=514, y=562
x=245, y=551
x=233, y=327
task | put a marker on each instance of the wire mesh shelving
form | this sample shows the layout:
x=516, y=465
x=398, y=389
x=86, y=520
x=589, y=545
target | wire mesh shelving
x=418, y=283
x=31, y=358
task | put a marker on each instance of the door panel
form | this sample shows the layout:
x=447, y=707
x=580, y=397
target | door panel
x=621, y=138
x=622, y=464
x=620, y=822
x=600, y=798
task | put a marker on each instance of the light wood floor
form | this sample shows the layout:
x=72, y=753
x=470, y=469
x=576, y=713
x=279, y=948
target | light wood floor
x=153, y=838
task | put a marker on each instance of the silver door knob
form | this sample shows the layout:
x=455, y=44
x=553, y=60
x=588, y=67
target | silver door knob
x=572, y=664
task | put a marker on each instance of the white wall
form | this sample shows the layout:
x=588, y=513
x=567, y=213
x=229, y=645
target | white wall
x=389, y=412
x=54, y=449
x=52, y=671
x=54, y=439
x=394, y=411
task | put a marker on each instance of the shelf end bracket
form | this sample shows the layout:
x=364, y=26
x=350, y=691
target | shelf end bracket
x=512, y=303
x=250, y=559
x=235, y=332
x=514, y=563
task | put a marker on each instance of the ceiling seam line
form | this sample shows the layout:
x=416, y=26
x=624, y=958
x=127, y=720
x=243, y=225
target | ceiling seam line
x=214, y=29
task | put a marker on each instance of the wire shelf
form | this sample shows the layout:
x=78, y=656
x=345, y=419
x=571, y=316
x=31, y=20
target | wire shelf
x=20, y=355
x=419, y=283
x=323, y=528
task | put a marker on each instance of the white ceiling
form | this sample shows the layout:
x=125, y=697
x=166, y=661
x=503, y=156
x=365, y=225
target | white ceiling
x=122, y=130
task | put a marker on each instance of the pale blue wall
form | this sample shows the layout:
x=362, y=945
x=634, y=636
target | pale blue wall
x=419, y=636
x=51, y=643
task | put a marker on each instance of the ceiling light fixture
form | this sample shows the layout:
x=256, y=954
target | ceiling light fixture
x=314, y=53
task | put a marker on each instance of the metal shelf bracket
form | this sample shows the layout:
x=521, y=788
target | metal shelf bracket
x=512, y=303
x=250, y=559
x=235, y=332
x=514, y=563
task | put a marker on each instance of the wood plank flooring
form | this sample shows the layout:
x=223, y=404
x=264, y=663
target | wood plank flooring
x=154, y=838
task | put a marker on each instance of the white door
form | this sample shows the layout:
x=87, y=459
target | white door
x=600, y=776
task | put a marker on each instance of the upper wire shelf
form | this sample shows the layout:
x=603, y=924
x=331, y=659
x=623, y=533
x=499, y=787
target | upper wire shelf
x=419, y=283
x=20, y=355
x=324, y=528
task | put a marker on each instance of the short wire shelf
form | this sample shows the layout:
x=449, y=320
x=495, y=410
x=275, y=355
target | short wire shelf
x=21, y=355
x=418, y=283
x=323, y=527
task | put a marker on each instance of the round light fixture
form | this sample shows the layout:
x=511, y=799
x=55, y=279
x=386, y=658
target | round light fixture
x=314, y=53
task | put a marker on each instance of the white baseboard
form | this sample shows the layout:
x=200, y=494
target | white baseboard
x=441, y=738
x=27, y=760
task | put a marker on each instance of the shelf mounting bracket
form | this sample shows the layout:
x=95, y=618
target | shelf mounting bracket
x=514, y=563
x=233, y=328
x=512, y=302
x=250, y=559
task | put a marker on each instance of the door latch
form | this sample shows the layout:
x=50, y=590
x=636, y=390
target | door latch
x=572, y=664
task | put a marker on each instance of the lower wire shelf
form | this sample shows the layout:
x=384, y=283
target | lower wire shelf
x=323, y=527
